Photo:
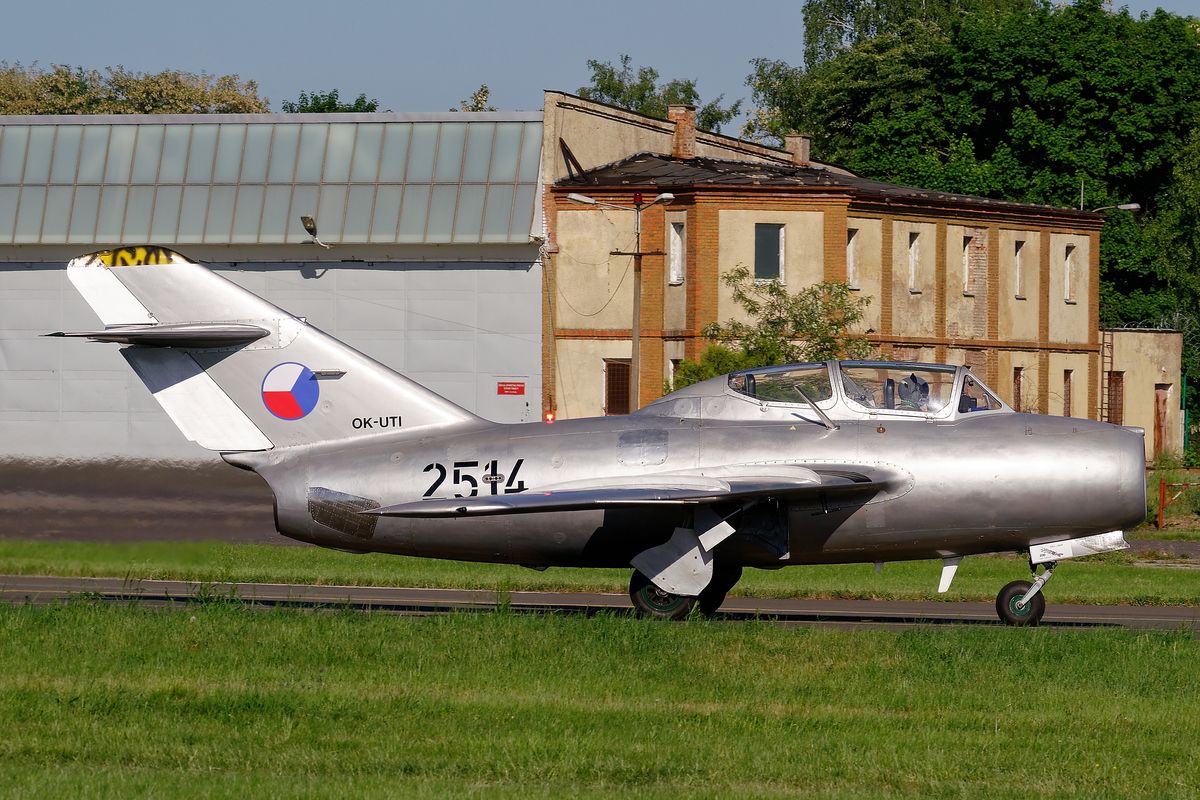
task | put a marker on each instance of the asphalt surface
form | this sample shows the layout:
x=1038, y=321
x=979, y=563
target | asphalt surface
x=842, y=613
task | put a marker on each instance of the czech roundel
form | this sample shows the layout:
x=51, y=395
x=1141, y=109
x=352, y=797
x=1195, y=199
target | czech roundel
x=290, y=390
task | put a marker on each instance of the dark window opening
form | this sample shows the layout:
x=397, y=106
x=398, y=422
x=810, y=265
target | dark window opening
x=1116, y=398
x=616, y=386
x=768, y=251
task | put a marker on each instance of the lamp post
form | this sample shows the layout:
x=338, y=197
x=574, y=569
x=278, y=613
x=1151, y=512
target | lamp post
x=635, y=371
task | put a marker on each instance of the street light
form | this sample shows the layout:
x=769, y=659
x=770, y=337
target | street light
x=1122, y=207
x=635, y=372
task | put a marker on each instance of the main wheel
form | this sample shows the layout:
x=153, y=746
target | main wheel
x=1011, y=614
x=651, y=601
x=713, y=595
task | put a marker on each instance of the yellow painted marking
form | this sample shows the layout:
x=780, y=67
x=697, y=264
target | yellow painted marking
x=137, y=256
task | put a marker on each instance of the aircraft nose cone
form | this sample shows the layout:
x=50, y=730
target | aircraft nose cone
x=1131, y=454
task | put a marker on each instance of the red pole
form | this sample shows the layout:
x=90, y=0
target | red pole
x=1162, y=500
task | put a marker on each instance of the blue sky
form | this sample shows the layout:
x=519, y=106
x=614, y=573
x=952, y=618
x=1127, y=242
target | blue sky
x=420, y=56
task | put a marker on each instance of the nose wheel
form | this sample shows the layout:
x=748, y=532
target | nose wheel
x=1022, y=603
x=1013, y=612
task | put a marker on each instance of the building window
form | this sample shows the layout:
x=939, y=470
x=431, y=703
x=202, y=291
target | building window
x=1018, y=374
x=676, y=253
x=1068, y=379
x=914, y=260
x=616, y=386
x=852, y=258
x=1068, y=274
x=1018, y=274
x=1116, y=398
x=673, y=366
x=768, y=252
x=968, y=289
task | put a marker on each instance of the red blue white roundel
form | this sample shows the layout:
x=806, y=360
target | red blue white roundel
x=290, y=390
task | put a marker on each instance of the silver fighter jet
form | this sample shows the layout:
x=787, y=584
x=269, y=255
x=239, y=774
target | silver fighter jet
x=834, y=462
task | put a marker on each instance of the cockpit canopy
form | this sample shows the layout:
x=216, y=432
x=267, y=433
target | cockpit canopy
x=840, y=389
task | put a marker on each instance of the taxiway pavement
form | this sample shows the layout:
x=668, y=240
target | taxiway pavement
x=875, y=613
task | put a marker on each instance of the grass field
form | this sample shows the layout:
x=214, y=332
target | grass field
x=218, y=700
x=1112, y=579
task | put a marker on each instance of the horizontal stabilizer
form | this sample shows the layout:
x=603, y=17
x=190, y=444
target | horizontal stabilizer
x=185, y=334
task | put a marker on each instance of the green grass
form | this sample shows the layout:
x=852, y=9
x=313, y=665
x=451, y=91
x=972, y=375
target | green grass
x=222, y=701
x=1105, y=579
x=1149, y=532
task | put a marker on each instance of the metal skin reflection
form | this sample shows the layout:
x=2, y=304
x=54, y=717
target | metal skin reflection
x=837, y=462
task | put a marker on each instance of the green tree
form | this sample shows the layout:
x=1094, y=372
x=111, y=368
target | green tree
x=831, y=26
x=64, y=89
x=328, y=103
x=478, y=101
x=639, y=90
x=813, y=324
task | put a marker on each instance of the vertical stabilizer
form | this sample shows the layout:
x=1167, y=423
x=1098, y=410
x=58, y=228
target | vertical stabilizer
x=284, y=383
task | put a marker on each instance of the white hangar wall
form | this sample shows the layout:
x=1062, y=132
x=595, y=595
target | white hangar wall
x=460, y=328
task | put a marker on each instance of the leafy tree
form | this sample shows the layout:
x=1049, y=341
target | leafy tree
x=328, y=103
x=831, y=26
x=74, y=90
x=812, y=324
x=640, y=91
x=478, y=101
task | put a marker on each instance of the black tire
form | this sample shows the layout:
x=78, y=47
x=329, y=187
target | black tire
x=1006, y=605
x=713, y=595
x=651, y=601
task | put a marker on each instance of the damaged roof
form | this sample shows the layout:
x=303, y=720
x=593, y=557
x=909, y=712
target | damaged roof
x=655, y=169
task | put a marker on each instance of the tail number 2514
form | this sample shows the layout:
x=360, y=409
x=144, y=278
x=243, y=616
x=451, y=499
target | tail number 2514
x=464, y=475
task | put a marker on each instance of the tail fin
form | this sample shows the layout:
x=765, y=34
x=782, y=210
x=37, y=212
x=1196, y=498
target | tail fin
x=234, y=372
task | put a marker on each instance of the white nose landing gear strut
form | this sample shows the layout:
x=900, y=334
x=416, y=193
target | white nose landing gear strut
x=1022, y=602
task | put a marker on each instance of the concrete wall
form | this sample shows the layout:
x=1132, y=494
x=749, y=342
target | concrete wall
x=1069, y=315
x=1027, y=361
x=966, y=294
x=579, y=379
x=1019, y=300
x=1058, y=365
x=594, y=289
x=803, y=250
x=913, y=296
x=1151, y=359
x=868, y=265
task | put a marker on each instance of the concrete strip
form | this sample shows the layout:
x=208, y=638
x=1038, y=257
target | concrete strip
x=47, y=589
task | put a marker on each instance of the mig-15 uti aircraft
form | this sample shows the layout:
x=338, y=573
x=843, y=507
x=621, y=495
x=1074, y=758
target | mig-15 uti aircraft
x=819, y=463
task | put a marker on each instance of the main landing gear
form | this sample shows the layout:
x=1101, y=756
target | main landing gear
x=651, y=601
x=1022, y=603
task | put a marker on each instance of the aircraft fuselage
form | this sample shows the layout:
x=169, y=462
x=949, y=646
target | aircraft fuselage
x=974, y=484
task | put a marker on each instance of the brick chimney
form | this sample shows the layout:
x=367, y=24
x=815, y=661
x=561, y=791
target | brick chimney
x=798, y=145
x=683, y=144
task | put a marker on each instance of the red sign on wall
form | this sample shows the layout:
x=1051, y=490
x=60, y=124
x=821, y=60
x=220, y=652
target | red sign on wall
x=510, y=387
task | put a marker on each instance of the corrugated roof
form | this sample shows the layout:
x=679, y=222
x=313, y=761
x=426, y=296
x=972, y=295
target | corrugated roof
x=655, y=169
x=247, y=178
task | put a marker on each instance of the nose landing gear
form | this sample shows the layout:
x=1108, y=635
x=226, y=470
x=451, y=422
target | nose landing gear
x=1022, y=603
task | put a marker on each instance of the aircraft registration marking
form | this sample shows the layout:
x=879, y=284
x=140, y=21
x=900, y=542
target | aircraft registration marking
x=463, y=474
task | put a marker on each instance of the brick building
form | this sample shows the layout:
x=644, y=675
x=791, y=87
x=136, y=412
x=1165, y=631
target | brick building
x=1009, y=289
